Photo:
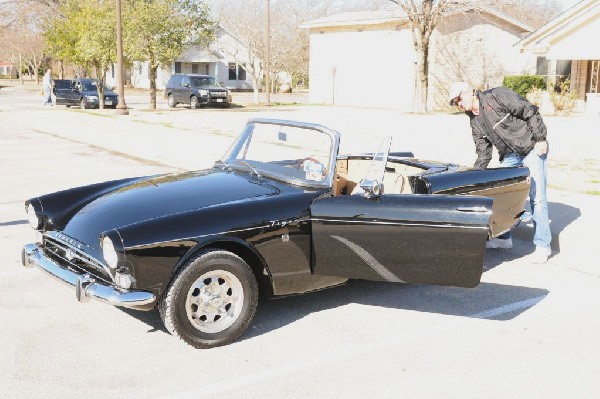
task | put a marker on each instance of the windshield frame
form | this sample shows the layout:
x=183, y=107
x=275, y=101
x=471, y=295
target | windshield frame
x=327, y=182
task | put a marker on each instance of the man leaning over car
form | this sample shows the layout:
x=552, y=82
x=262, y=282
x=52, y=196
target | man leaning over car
x=503, y=119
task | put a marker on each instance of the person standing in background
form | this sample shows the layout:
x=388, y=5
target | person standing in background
x=47, y=87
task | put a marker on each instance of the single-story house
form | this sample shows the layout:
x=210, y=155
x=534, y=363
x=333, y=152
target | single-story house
x=225, y=66
x=565, y=49
x=368, y=58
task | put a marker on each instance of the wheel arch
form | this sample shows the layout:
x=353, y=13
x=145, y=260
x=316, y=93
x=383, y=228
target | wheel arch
x=239, y=247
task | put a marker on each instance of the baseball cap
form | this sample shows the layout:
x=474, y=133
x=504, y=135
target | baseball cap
x=455, y=90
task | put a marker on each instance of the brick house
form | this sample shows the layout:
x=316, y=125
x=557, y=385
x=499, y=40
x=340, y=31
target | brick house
x=368, y=58
x=565, y=48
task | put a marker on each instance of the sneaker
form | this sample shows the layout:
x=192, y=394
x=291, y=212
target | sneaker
x=526, y=217
x=541, y=254
x=504, y=243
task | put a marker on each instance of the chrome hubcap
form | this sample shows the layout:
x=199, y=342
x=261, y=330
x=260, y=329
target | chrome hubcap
x=214, y=301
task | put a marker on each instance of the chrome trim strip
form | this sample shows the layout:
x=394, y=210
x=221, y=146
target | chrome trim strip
x=266, y=226
x=370, y=260
x=400, y=223
x=86, y=287
x=58, y=236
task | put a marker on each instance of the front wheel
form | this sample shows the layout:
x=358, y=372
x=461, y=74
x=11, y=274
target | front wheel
x=194, y=102
x=82, y=103
x=211, y=301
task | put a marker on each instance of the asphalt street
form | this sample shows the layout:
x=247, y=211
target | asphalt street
x=526, y=331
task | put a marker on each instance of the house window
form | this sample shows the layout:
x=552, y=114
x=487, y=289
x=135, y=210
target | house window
x=241, y=73
x=178, y=67
x=563, y=69
x=194, y=67
x=232, y=72
x=542, y=68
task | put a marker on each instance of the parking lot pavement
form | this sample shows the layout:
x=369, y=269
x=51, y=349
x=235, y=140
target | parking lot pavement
x=526, y=331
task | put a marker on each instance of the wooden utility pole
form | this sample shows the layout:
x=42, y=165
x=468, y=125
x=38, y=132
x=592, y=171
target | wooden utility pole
x=268, y=60
x=121, y=106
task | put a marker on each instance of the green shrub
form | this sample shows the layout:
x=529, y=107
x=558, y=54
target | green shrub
x=523, y=84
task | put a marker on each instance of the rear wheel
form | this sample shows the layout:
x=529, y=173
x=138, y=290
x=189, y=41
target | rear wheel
x=194, y=102
x=211, y=301
x=171, y=101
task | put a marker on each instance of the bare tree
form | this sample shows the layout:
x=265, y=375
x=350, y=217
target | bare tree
x=534, y=13
x=246, y=21
x=247, y=25
x=20, y=28
x=423, y=15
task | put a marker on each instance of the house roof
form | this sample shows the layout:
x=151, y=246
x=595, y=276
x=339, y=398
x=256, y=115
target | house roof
x=357, y=18
x=567, y=36
x=398, y=16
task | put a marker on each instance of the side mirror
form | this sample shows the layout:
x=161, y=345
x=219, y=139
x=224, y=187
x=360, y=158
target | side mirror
x=372, y=188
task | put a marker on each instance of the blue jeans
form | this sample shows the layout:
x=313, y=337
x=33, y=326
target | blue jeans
x=538, y=171
x=47, y=95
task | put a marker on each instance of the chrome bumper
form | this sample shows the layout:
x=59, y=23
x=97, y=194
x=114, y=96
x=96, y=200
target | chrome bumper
x=86, y=287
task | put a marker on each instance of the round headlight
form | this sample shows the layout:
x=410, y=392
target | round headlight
x=34, y=219
x=109, y=253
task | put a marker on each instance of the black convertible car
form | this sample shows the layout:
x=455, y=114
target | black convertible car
x=280, y=214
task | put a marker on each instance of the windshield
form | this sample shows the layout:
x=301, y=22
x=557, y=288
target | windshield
x=91, y=85
x=300, y=154
x=199, y=82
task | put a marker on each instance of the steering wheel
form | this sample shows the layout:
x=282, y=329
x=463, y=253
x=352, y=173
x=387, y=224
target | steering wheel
x=301, y=162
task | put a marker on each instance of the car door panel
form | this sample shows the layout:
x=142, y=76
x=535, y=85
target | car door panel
x=424, y=239
x=62, y=91
x=508, y=187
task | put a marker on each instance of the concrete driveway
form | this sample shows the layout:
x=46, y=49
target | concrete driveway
x=526, y=331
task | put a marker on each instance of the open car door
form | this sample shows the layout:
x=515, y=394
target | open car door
x=508, y=187
x=63, y=90
x=424, y=239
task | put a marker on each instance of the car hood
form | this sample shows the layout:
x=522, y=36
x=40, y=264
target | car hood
x=95, y=93
x=212, y=88
x=159, y=197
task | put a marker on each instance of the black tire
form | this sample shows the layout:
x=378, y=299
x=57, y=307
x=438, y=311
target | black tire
x=82, y=103
x=211, y=300
x=193, y=102
x=171, y=101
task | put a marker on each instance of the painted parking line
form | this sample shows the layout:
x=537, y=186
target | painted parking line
x=337, y=356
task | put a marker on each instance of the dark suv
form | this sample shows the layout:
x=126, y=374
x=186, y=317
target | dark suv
x=83, y=93
x=196, y=90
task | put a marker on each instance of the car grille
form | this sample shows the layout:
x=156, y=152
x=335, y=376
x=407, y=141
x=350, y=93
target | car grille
x=74, y=259
x=218, y=94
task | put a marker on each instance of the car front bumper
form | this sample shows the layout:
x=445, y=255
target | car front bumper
x=86, y=287
x=215, y=100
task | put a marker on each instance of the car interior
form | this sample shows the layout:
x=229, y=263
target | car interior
x=350, y=171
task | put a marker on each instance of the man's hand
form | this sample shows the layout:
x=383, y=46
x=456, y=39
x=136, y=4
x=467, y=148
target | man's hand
x=541, y=148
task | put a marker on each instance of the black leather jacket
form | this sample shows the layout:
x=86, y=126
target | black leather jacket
x=508, y=122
